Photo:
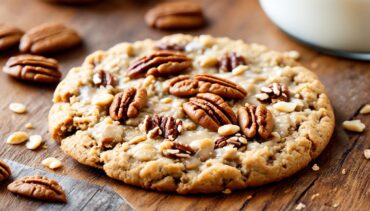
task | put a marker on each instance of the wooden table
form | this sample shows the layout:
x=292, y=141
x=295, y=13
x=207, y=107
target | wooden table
x=105, y=24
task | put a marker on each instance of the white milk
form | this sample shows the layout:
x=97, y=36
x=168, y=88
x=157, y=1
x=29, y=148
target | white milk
x=333, y=24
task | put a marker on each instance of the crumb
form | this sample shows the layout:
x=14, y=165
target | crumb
x=44, y=146
x=336, y=205
x=315, y=167
x=367, y=153
x=365, y=109
x=300, y=206
x=226, y=191
x=249, y=197
x=29, y=125
x=18, y=108
x=344, y=171
x=315, y=196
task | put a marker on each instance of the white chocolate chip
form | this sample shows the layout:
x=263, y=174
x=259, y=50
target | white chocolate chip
x=284, y=106
x=239, y=70
x=227, y=130
x=17, y=138
x=29, y=125
x=300, y=206
x=18, y=108
x=149, y=80
x=367, y=153
x=365, y=109
x=34, y=142
x=354, y=125
x=52, y=163
x=208, y=61
x=166, y=100
x=102, y=99
x=315, y=167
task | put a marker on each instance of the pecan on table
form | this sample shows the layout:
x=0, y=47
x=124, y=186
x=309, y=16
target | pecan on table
x=210, y=111
x=104, y=78
x=183, y=86
x=237, y=140
x=9, y=36
x=178, y=150
x=169, y=47
x=163, y=126
x=229, y=61
x=127, y=104
x=38, y=187
x=33, y=68
x=48, y=38
x=255, y=120
x=212, y=84
x=160, y=63
x=273, y=93
x=4, y=171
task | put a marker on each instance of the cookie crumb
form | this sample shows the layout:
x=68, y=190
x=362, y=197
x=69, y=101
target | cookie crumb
x=367, y=153
x=315, y=196
x=52, y=163
x=293, y=54
x=300, y=206
x=29, y=125
x=354, y=125
x=18, y=108
x=315, y=167
x=226, y=191
x=365, y=109
x=336, y=205
x=344, y=171
x=249, y=197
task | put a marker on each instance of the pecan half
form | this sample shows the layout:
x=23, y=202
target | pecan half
x=237, y=140
x=4, y=171
x=161, y=63
x=209, y=110
x=229, y=61
x=169, y=47
x=273, y=93
x=178, y=150
x=183, y=86
x=219, y=86
x=9, y=36
x=175, y=15
x=38, y=187
x=33, y=68
x=127, y=104
x=48, y=38
x=255, y=120
x=163, y=126
x=104, y=78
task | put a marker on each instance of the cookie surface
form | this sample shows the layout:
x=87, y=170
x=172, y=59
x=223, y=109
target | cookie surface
x=192, y=114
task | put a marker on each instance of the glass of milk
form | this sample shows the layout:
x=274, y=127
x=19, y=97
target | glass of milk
x=337, y=27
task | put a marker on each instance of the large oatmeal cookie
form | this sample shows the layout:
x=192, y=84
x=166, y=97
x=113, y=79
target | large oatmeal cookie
x=192, y=114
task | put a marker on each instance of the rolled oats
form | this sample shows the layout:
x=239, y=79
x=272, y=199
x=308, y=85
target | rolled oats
x=18, y=108
x=166, y=100
x=354, y=125
x=18, y=137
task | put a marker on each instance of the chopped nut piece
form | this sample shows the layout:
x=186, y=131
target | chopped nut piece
x=104, y=78
x=367, y=153
x=166, y=100
x=18, y=108
x=354, y=125
x=238, y=141
x=227, y=130
x=285, y=107
x=34, y=142
x=274, y=93
x=29, y=125
x=208, y=61
x=365, y=109
x=5, y=171
x=17, y=138
x=293, y=54
x=102, y=99
x=344, y=171
x=300, y=206
x=315, y=167
x=149, y=80
x=230, y=61
x=164, y=126
x=239, y=70
x=227, y=191
x=52, y=163
x=178, y=151
x=137, y=139
x=315, y=196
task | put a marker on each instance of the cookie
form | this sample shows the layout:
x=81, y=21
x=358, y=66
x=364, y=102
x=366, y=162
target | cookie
x=192, y=114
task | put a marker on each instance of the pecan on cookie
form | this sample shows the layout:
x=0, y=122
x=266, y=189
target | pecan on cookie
x=9, y=36
x=38, y=187
x=33, y=68
x=229, y=61
x=175, y=15
x=255, y=120
x=219, y=86
x=161, y=63
x=127, y=104
x=275, y=92
x=237, y=140
x=48, y=38
x=209, y=110
x=5, y=171
x=183, y=86
x=162, y=46
x=104, y=78
x=163, y=126
x=178, y=150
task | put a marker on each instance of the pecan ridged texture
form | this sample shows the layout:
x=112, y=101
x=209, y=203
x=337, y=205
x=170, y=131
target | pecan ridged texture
x=38, y=187
x=179, y=150
x=9, y=36
x=127, y=104
x=163, y=46
x=184, y=86
x=229, y=61
x=210, y=111
x=104, y=78
x=237, y=140
x=33, y=68
x=48, y=38
x=175, y=15
x=5, y=171
x=160, y=63
x=275, y=92
x=162, y=126
x=255, y=121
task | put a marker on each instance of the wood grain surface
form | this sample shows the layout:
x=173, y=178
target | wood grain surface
x=104, y=24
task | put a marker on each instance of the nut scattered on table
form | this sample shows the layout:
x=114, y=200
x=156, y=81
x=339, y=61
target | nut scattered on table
x=5, y=171
x=18, y=137
x=38, y=187
x=18, y=108
x=365, y=109
x=175, y=15
x=48, y=38
x=367, y=153
x=315, y=167
x=34, y=142
x=300, y=206
x=354, y=125
x=9, y=36
x=52, y=163
x=29, y=125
